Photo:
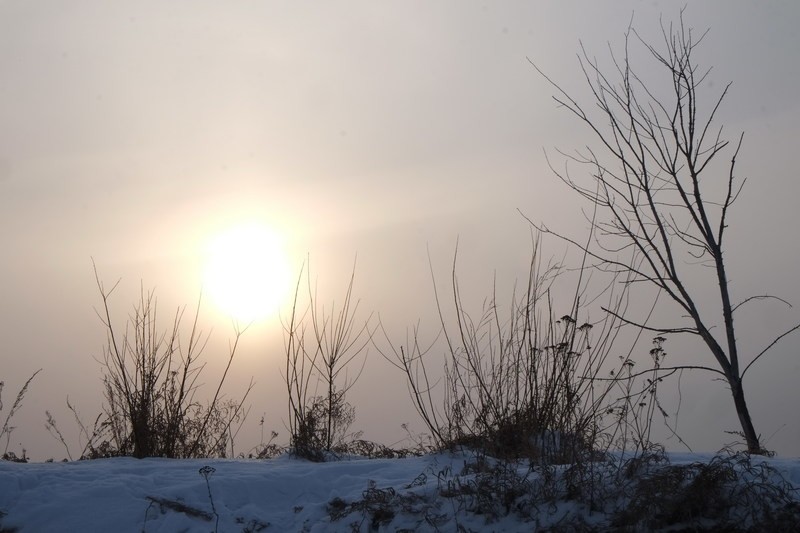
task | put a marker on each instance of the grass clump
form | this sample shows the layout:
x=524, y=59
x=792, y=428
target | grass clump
x=7, y=429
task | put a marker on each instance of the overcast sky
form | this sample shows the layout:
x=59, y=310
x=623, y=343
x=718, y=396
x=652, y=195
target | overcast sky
x=131, y=131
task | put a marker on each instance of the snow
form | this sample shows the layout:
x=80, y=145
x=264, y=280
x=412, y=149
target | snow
x=283, y=494
x=112, y=494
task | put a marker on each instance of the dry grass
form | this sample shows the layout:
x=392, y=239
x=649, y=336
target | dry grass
x=7, y=429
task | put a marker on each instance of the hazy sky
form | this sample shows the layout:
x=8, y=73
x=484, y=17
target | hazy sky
x=131, y=132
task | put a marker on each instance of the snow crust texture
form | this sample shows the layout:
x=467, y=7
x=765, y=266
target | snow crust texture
x=429, y=493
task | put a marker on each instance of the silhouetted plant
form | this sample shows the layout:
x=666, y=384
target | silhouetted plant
x=730, y=492
x=528, y=386
x=7, y=429
x=207, y=472
x=150, y=384
x=320, y=348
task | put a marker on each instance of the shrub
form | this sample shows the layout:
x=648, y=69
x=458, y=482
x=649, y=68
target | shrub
x=320, y=346
x=531, y=385
x=150, y=379
x=729, y=492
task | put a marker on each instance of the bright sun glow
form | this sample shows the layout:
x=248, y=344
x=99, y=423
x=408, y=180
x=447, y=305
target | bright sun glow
x=246, y=272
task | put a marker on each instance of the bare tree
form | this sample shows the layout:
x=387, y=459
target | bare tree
x=666, y=194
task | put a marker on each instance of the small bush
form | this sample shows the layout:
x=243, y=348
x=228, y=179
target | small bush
x=320, y=347
x=150, y=383
x=530, y=385
x=323, y=427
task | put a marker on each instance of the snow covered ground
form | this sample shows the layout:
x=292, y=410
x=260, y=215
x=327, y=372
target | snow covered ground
x=285, y=494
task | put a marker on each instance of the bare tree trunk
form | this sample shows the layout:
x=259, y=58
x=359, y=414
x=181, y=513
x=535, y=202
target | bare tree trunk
x=748, y=431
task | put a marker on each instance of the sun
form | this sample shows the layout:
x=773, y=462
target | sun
x=246, y=272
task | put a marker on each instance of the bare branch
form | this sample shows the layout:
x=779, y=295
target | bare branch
x=770, y=345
